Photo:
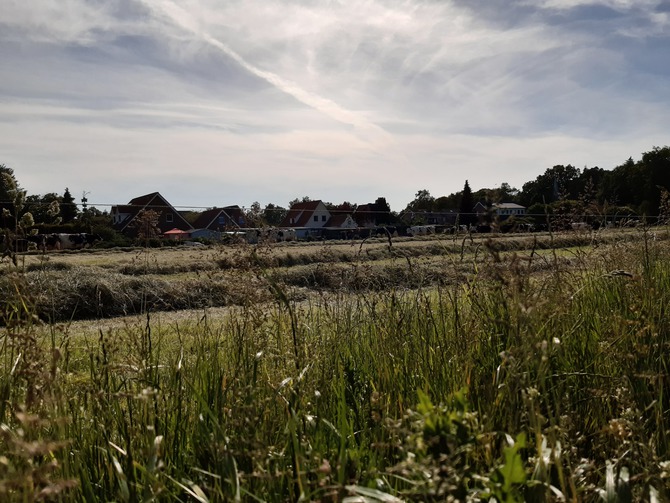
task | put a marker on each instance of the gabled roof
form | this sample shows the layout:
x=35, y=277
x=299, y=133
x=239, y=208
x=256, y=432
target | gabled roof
x=509, y=206
x=152, y=201
x=337, y=220
x=148, y=198
x=299, y=214
x=210, y=217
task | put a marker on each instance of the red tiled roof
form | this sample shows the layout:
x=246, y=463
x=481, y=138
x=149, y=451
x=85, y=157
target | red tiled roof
x=299, y=214
x=306, y=205
x=304, y=218
x=337, y=220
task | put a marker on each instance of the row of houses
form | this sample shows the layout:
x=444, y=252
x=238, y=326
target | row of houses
x=308, y=218
x=170, y=222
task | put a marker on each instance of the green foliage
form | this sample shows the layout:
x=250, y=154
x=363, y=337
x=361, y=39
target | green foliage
x=510, y=476
x=467, y=204
x=45, y=209
x=517, y=382
x=68, y=209
x=273, y=215
x=422, y=202
x=555, y=183
x=12, y=200
x=503, y=194
x=8, y=185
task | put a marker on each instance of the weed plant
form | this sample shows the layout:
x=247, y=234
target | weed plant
x=532, y=378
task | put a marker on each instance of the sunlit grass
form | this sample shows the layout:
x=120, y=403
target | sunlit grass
x=523, y=376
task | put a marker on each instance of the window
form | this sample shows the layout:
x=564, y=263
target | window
x=222, y=220
x=169, y=218
x=323, y=218
x=316, y=218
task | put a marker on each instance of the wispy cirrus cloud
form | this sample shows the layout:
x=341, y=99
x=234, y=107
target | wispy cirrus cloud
x=376, y=97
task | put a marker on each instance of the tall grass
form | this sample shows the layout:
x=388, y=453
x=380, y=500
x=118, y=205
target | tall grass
x=511, y=385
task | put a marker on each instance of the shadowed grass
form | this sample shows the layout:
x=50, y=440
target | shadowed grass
x=527, y=379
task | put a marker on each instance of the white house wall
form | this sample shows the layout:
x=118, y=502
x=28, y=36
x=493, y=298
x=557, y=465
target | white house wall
x=322, y=214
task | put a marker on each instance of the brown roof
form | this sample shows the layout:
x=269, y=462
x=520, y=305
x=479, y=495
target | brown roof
x=146, y=202
x=210, y=217
x=299, y=214
x=337, y=220
x=145, y=199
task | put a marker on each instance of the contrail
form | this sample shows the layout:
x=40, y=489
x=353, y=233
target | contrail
x=184, y=20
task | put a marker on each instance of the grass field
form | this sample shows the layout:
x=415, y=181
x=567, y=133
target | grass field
x=515, y=368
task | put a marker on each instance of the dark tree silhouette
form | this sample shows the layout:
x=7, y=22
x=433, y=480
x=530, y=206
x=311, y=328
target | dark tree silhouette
x=466, y=216
x=68, y=209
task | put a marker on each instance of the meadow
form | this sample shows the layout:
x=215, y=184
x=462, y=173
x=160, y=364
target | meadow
x=448, y=368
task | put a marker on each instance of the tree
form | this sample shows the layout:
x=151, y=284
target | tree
x=466, y=215
x=422, y=202
x=638, y=184
x=382, y=211
x=504, y=194
x=450, y=202
x=12, y=202
x=305, y=199
x=146, y=224
x=254, y=215
x=45, y=209
x=68, y=209
x=558, y=182
x=8, y=185
x=11, y=198
x=656, y=166
x=273, y=215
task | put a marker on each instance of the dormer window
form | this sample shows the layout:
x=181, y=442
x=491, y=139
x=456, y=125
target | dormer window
x=169, y=218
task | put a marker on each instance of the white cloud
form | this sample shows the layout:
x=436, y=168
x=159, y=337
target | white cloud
x=229, y=102
x=613, y=4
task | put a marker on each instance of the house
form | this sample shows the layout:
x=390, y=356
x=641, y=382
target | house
x=508, y=209
x=447, y=218
x=124, y=217
x=219, y=220
x=340, y=226
x=341, y=221
x=501, y=210
x=306, y=217
x=480, y=209
x=373, y=214
x=442, y=218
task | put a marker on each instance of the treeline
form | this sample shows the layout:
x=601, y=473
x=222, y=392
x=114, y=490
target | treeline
x=635, y=187
x=22, y=214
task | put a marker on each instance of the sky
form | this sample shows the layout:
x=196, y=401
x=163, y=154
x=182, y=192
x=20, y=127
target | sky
x=214, y=103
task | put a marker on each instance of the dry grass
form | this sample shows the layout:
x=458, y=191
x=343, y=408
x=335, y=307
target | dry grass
x=425, y=371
